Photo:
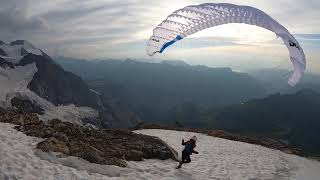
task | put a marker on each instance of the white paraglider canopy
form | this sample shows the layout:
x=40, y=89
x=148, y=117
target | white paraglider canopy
x=191, y=19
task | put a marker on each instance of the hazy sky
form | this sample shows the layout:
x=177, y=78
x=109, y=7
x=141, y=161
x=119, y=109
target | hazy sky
x=120, y=29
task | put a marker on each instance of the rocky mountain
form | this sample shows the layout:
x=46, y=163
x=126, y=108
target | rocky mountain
x=31, y=81
x=293, y=118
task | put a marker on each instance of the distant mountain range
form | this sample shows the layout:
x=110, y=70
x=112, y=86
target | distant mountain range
x=154, y=90
x=175, y=93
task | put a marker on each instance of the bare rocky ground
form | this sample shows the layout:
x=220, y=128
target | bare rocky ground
x=109, y=147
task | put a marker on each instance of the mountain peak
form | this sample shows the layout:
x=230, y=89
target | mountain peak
x=16, y=50
x=175, y=62
x=18, y=42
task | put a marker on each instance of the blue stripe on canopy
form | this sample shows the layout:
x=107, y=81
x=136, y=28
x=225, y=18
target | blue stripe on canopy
x=170, y=43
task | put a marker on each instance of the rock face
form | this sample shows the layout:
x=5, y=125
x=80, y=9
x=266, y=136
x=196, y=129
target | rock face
x=111, y=147
x=54, y=84
x=57, y=86
x=4, y=63
x=2, y=53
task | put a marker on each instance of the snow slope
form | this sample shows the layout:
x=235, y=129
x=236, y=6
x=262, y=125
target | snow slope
x=225, y=159
x=218, y=159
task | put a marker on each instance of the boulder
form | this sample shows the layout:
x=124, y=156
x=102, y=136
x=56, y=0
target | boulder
x=23, y=105
x=133, y=155
x=54, y=145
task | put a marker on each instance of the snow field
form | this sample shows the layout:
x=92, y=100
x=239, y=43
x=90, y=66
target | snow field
x=217, y=159
x=224, y=159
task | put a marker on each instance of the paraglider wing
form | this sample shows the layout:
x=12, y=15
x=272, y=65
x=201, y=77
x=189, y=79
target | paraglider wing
x=191, y=19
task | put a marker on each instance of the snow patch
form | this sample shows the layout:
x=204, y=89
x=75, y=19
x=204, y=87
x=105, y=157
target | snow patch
x=31, y=49
x=14, y=52
x=69, y=113
x=19, y=161
x=80, y=164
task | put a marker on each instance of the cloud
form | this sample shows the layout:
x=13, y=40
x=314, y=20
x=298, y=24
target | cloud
x=14, y=20
x=308, y=37
x=16, y=24
x=100, y=28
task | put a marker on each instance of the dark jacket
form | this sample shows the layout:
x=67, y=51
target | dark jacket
x=189, y=146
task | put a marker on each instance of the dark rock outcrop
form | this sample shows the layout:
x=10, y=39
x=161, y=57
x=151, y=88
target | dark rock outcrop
x=4, y=63
x=2, y=110
x=17, y=42
x=26, y=106
x=53, y=144
x=2, y=53
x=111, y=147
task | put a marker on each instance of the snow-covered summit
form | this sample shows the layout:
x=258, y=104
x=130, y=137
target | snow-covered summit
x=16, y=50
